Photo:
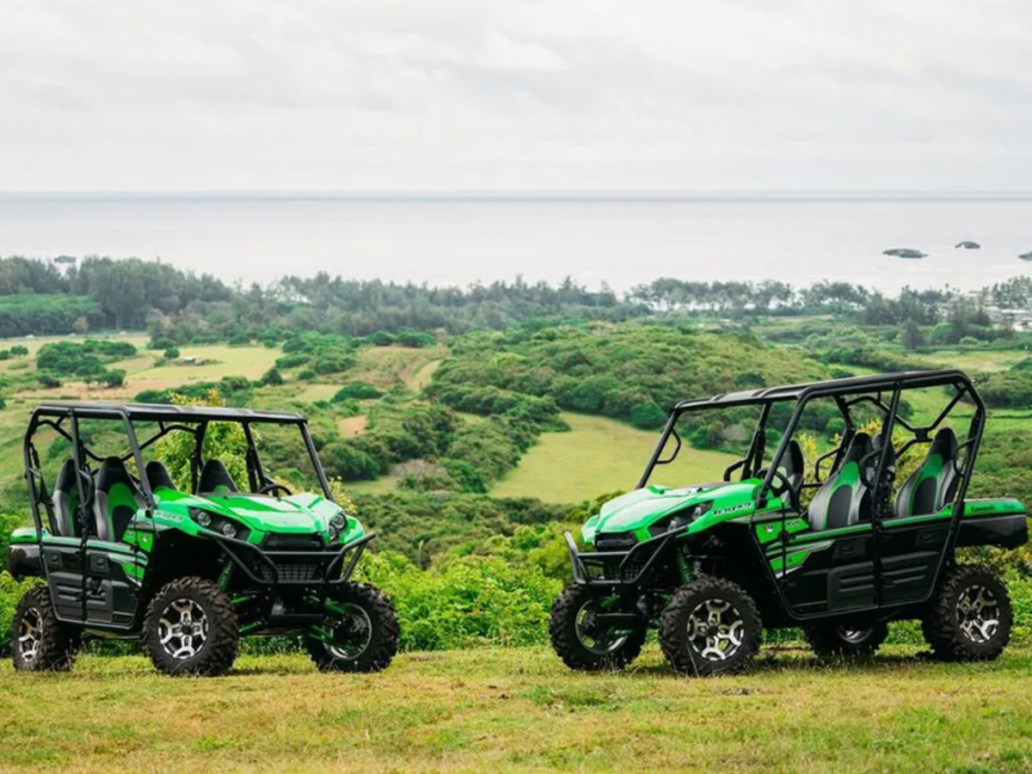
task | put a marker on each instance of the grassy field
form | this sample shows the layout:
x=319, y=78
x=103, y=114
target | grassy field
x=599, y=455
x=492, y=710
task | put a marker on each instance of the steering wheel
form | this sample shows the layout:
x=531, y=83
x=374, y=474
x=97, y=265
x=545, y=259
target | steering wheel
x=786, y=486
x=273, y=487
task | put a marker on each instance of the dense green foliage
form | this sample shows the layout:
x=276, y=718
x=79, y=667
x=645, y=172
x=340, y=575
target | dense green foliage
x=625, y=372
x=21, y=315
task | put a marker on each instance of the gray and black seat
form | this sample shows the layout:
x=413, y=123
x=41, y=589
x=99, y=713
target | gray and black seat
x=116, y=500
x=844, y=500
x=215, y=479
x=793, y=468
x=158, y=477
x=64, y=518
x=934, y=483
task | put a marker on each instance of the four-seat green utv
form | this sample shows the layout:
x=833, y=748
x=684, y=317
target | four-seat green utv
x=865, y=534
x=126, y=553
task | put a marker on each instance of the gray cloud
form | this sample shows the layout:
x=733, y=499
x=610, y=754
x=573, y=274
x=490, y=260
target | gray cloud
x=486, y=94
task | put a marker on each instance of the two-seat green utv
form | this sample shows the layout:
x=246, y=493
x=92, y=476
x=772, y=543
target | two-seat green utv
x=840, y=544
x=188, y=569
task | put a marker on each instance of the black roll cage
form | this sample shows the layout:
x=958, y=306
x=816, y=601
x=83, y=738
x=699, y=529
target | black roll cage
x=846, y=394
x=189, y=419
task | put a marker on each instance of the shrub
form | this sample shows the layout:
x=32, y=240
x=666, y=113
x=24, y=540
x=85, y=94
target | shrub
x=333, y=362
x=464, y=602
x=171, y=353
x=240, y=340
x=49, y=382
x=291, y=361
x=113, y=378
x=162, y=342
x=647, y=415
x=5, y=354
x=357, y=391
x=19, y=351
x=271, y=377
x=343, y=460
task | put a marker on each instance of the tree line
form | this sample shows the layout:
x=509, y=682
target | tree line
x=66, y=295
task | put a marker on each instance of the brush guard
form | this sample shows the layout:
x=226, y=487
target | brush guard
x=615, y=569
x=286, y=568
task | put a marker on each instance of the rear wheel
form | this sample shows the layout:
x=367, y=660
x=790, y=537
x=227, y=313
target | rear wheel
x=191, y=628
x=845, y=641
x=971, y=616
x=584, y=642
x=710, y=627
x=39, y=642
x=359, y=634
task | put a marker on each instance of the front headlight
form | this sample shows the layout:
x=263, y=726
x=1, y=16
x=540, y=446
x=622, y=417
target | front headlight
x=701, y=509
x=221, y=525
x=333, y=533
x=679, y=520
x=338, y=521
x=201, y=517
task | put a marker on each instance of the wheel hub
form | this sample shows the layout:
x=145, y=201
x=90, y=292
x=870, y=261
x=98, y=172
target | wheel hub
x=592, y=636
x=716, y=629
x=30, y=634
x=351, y=633
x=978, y=613
x=183, y=629
x=854, y=636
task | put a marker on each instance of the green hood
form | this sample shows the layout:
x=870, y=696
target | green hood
x=296, y=514
x=638, y=510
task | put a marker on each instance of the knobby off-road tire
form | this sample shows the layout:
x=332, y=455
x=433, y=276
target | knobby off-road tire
x=365, y=640
x=39, y=642
x=710, y=627
x=845, y=641
x=971, y=615
x=191, y=628
x=580, y=642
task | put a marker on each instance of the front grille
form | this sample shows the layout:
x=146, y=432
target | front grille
x=630, y=570
x=621, y=541
x=293, y=543
x=287, y=571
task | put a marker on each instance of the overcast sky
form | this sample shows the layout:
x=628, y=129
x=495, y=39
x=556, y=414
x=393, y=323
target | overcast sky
x=472, y=95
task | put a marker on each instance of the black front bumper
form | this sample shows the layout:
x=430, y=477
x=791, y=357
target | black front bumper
x=292, y=568
x=616, y=568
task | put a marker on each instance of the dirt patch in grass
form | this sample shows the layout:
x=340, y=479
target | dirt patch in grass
x=352, y=426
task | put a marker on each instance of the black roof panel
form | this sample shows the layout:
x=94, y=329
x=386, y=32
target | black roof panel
x=851, y=385
x=148, y=412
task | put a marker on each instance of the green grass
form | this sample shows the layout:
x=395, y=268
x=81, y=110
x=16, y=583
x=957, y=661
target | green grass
x=491, y=710
x=600, y=455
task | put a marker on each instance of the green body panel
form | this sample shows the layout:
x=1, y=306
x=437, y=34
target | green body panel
x=638, y=510
x=299, y=514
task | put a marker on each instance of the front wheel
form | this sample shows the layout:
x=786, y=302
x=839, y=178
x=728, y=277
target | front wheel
x=39, y=642
x=359, y=633
x=710, y=627
x=971, y=616
x=845, y=641
x=583, y=641
x=191, y=628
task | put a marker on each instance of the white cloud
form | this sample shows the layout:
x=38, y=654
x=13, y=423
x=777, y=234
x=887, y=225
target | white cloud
x=485, y=94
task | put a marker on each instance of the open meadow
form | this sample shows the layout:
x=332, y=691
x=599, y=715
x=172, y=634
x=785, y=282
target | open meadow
x=521, y=709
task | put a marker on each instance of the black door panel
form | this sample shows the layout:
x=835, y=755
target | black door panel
x=909, y=556
x=110, y=592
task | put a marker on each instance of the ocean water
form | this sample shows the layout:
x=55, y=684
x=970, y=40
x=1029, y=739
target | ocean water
x=622, y=241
